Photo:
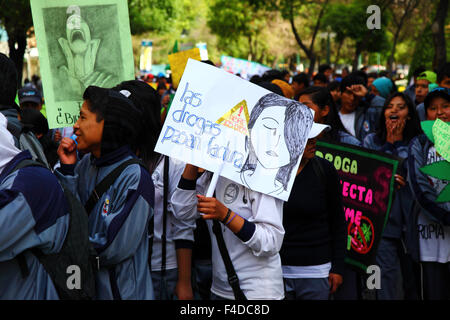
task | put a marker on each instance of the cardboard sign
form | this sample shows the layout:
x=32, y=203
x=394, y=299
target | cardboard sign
x=220, y=122
x=441, y=134
x=80, y=43
x=367, y=180
x=178, y=62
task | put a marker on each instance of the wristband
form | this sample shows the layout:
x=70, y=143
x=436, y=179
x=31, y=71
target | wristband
x=230, y=220
x=227, y=216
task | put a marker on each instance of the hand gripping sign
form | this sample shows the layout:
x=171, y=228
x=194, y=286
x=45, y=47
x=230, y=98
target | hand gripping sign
x=237, y=129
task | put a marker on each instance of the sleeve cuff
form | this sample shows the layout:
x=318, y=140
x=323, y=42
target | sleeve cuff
x=184, y=244
x=186, y=184
x=67, y=169
x=247, y=231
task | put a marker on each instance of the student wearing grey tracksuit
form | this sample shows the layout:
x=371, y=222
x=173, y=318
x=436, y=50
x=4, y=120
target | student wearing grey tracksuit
x=399, y=123
x=108, y=124
x=29, y=218
x=431, y=218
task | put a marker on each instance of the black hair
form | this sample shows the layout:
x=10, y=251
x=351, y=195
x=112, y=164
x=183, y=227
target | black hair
x=321, y=78
x=284, y=73
x=294, y=131
x=372, y=75
x=322, y=97
x=34, y=121
x=361, y=74
x=334, y=85
x=255, y=79
x=8, y=81
x=324, y=67
x=444, y=71
x=350, y=80
x=412, y=127
x=384, y=73
x=271, y=87
x=146, y=99
x=301, y=78
x=122, y=120
x=418, y=71
x=272, y=74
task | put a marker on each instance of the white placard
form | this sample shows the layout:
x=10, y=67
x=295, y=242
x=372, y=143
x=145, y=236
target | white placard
x=218, y=119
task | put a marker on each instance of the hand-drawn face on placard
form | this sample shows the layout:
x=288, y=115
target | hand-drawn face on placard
x=239, y=130
x=85, y=48
x=277, y=138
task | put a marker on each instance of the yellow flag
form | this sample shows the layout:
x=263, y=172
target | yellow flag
x=178, y=62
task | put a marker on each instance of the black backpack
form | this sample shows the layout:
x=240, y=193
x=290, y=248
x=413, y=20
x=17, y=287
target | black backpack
x=76, y=250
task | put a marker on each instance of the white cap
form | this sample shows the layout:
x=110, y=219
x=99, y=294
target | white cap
x=317, y=128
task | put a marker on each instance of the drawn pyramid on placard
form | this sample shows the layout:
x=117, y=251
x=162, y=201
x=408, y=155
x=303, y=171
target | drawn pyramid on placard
x=236, y=118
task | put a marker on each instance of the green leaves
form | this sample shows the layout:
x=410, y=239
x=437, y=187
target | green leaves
x=439, y=170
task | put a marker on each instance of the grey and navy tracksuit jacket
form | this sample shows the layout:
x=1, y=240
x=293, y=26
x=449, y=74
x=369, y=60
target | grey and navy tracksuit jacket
x=33, y=213
x=118, y=222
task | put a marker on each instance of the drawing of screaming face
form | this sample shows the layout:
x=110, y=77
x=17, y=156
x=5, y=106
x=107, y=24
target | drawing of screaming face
x=79, y=38
x=267, y=138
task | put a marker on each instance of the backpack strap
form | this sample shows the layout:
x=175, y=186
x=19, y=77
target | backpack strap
x=233, y=279
x=165, y=196
x=104, y=185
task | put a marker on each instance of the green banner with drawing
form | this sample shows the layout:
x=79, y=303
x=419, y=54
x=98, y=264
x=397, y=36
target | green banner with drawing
x=80, y=43
x=367, y=181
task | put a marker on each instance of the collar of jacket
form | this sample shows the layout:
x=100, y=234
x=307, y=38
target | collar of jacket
x=14, y=162
x=112, y=157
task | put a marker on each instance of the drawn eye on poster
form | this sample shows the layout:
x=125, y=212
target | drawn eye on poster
x=252, y=136
x=80, y=44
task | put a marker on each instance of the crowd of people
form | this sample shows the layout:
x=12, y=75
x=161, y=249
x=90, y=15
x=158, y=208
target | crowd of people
x=157, y=236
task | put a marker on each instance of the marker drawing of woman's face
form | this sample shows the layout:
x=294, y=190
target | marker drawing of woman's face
x=278, y=129
x=267, y=138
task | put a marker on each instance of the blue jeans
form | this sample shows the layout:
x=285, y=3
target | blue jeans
x=202, y=279
x=164, y=287
x=306, y=289
x=391, y=276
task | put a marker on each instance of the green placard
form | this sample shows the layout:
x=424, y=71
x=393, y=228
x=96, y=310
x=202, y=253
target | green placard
x=441, y=134
x=367, y=182
x=80, y=43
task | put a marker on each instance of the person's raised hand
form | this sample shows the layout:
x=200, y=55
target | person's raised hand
x=358, y=90
x=67, y=151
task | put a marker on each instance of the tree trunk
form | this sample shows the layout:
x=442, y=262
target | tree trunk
x=312, y=62
x=357, y=53
x=409, y=8
x=437, y=29
x=16, y=55
x=338, y=53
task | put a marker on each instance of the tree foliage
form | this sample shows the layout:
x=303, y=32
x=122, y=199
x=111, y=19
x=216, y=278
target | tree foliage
x=239, y=27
